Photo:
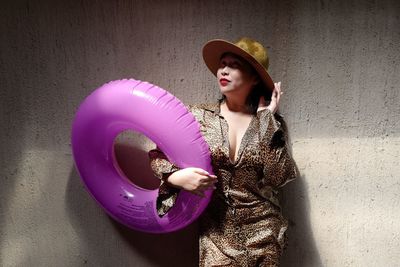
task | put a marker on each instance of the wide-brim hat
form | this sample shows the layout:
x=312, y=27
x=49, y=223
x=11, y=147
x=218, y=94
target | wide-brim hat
x=250, y=50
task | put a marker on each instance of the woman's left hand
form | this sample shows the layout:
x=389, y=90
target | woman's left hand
x=275, y=98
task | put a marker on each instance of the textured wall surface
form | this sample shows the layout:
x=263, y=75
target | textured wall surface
x=339, y=63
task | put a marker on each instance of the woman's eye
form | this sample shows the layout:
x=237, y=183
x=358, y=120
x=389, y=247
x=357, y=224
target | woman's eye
x=234, y=65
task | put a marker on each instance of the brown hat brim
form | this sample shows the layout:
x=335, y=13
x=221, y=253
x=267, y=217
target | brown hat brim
x=214, y=49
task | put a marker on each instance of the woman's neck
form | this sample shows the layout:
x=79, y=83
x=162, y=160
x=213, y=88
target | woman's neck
x=236, y=105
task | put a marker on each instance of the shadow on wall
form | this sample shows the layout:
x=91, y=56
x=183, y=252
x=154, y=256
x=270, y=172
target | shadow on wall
x=12, y=147
x=171, y=249
x=178, y=249
x=301, y=250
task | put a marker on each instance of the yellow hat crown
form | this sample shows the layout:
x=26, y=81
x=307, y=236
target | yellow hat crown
x=255, y=49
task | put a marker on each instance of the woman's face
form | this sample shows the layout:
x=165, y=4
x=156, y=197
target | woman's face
x=235, y=75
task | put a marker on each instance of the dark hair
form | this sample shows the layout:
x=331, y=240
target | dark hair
x=258, y=90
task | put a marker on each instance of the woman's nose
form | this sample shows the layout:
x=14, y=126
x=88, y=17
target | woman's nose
x=225, y=70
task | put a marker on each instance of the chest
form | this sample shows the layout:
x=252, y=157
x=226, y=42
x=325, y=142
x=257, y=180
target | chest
x=236, y=127
x=230, y=138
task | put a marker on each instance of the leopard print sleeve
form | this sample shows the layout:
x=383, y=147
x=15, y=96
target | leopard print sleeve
x=162, y=168
x=279, y=167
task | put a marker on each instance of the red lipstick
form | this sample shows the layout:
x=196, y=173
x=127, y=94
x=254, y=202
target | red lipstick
x=223, y=81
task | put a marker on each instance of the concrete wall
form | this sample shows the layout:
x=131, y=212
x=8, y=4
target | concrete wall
x=339, y=66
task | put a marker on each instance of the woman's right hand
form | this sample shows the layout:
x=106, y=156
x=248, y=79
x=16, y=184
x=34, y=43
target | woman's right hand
x=275, y=98
x=194, y=180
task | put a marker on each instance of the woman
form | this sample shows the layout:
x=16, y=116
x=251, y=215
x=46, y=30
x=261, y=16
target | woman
x=243, y=224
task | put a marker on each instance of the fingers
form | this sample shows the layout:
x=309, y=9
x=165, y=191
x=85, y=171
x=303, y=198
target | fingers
x=204, y=173
x=278, y=88
x=205, y=176
x=205, y=183
x=200, y=190
x=277, y=92
x=208, y=178
x=275, y=98
x=200, y=171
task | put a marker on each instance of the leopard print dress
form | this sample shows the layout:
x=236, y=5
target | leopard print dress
x=243, y=224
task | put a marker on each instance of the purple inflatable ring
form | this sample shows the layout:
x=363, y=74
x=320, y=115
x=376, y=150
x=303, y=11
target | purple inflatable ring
x=139, y=106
